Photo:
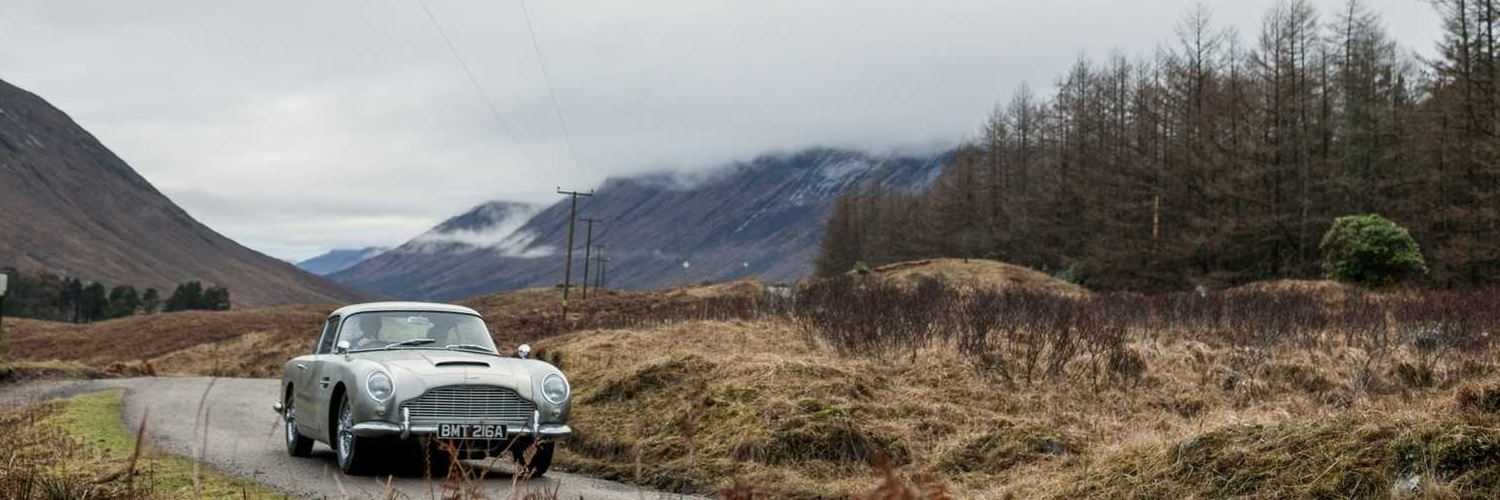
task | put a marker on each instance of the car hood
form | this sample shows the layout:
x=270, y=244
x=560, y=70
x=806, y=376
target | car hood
x=432, y=368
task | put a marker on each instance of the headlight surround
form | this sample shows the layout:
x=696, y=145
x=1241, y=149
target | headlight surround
x=555, y=388
x=379, y=386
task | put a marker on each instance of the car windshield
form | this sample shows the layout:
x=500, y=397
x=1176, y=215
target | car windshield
x=415, y=330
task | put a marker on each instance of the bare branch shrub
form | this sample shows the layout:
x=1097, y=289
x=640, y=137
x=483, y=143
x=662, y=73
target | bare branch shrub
x=1025, y=336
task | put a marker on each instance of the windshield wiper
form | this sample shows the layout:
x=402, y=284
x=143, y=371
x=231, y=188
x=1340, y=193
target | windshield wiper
x=411, y=342
x=476, y=347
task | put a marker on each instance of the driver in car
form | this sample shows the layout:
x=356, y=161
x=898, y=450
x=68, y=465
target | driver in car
x=369, y=330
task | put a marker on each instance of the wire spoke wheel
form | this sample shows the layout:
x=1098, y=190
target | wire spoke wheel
x=291, y=426
x=297, y=445
x=346, y=435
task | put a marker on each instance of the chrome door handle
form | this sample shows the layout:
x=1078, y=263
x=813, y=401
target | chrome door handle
x=301, y=366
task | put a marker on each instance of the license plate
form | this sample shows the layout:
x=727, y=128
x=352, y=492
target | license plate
x=470, y=431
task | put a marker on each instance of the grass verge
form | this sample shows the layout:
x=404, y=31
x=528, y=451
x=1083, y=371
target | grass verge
x=19, y=371
x=78, y=448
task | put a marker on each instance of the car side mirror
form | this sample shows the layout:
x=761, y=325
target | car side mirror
x=342, y=348
x=523, y=351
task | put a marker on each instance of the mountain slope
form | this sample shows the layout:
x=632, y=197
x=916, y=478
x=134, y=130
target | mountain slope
x=68, y=204
x=763, y=218
x=338, y=260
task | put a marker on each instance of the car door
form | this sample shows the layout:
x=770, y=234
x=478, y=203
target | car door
x=310, y=416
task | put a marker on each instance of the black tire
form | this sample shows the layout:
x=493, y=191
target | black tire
x=356, y=456
x=297, y=445
x=541, y=458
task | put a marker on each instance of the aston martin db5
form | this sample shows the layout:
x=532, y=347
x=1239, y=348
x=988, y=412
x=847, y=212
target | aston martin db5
x=421, y=384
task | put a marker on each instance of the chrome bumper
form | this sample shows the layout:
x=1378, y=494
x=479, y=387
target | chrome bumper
x=405, y=429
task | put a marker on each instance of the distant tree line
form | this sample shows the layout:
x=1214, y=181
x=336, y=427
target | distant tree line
x=1219, y=161
x=59, y=298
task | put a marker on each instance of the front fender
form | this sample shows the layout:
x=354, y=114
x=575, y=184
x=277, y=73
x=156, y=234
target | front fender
x=353, y=374
x=550, y=413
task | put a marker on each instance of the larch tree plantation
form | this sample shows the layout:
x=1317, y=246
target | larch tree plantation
x=1220, y=160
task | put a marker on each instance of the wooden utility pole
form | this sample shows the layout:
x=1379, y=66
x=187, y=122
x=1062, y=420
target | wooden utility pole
x=599, y=281
x=588, y=245
x=568, y=267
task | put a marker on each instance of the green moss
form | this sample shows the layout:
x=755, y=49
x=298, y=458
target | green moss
x=94, y=421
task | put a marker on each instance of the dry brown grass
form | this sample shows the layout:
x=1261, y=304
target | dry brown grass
x=979, y=273
x=239, y=343
x=764, y=402
x=256, y=342
x=20, y=371
x=1326, y=290
x=529, y=315
x=151, y=336
x=1259, y=385
x=702, y=402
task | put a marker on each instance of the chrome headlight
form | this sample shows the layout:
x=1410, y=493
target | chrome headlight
x=379, y=386
x=555, y=388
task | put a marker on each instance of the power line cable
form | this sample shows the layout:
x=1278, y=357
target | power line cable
x=542, y=62
x=477, y=87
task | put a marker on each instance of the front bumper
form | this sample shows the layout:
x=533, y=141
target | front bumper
x=405, y=429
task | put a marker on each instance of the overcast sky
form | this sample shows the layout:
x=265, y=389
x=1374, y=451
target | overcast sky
x=303, y=125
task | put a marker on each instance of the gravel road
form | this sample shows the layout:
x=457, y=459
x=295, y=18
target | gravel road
x=244, y=439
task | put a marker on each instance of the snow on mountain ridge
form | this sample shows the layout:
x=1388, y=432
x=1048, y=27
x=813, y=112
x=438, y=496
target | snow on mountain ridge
x=761, y=217
x=491, y=226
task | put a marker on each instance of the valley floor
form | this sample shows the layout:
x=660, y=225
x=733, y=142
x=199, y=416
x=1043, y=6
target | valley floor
x=1283, y=390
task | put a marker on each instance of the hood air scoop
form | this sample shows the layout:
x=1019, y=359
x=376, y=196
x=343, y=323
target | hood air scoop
x=481, y=364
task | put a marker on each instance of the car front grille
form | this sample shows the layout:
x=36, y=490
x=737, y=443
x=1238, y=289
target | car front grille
x=470, y=404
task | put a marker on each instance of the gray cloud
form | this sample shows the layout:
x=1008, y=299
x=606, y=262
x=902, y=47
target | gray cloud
x=296, y=126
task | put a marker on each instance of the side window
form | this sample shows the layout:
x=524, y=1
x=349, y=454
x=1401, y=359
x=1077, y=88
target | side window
x=330, y=330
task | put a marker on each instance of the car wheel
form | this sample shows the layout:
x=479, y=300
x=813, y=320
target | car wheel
x=297, y=445
x=354, y=454
x=541, y=459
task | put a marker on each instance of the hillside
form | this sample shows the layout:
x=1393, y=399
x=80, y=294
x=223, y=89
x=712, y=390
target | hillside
x=760, y=219
x=338, y=260
x=71, y=206
x=255, y=342
x=248, y=342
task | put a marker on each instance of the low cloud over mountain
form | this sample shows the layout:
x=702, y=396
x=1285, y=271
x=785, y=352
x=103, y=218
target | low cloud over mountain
x=763, y=218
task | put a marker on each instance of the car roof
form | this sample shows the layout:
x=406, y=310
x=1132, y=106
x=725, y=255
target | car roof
x=403, y=307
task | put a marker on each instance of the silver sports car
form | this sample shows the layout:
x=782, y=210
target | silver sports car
x=419, y=384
